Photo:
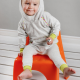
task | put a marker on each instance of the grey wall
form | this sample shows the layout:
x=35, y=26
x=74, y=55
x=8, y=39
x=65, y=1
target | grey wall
x=66, y=11
x=9, y=14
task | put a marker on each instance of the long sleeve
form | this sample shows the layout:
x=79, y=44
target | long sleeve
x=54, y=24
x=21, y=34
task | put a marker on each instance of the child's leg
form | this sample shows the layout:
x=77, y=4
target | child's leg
x=28, y=53
x=55, y=56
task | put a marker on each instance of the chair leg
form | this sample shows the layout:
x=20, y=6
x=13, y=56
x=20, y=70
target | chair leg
x=17, y=69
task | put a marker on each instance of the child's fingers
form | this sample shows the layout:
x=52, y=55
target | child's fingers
x=20, y=54
x=48, y=40
x=50, y=43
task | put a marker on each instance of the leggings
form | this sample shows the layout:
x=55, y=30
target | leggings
x=52, y=52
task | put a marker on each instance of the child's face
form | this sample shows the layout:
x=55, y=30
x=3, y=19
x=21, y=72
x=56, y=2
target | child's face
x=30, y=7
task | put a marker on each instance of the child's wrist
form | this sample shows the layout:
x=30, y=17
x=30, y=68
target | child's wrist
x=53, y=36
x=21, y=50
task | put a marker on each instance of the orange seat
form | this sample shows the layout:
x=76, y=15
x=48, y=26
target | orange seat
x=41, y=63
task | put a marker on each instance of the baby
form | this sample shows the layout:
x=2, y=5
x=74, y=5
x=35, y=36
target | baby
x=43, y=30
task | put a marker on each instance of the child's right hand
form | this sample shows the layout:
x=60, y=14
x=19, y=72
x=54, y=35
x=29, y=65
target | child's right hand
x=20, y=54
x=49, y=40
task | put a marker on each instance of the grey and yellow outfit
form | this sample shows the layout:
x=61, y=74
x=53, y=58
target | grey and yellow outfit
x=39, y=27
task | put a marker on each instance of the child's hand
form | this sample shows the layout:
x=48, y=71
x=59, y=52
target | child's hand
x=20, y=54
x=49, y=41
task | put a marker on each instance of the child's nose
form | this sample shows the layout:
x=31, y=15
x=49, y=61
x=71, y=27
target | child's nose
x=30, y=6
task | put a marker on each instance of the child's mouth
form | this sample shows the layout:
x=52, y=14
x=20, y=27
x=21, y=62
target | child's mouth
x=30, y=10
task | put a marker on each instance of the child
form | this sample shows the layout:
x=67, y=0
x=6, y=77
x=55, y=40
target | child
x=43, y=30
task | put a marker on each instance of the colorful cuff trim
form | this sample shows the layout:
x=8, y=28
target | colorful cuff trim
x=27, y=67
x=63, y=66
x=53, y=36
x=21, y=49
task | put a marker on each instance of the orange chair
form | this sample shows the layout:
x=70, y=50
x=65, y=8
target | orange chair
x=41, y=63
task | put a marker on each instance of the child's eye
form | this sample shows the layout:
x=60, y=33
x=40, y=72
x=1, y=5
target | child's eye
x=35, y=4
x=27, y=3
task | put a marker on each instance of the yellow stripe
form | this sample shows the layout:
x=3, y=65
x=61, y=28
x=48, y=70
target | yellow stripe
x=63, y=66
x=27, y=67
x=21, y=49
x=53, y=36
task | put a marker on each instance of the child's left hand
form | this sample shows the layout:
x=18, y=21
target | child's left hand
x=20, y=54
x=49, y=42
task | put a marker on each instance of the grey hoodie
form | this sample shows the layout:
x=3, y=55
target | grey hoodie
x=38, y=27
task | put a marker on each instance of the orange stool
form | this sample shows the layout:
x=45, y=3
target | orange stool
x=41, y=63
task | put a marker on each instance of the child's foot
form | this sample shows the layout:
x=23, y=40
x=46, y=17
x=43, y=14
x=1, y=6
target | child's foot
x=25, y=75
x=68, y=71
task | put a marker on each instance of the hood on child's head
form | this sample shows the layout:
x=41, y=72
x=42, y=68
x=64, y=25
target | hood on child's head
x=39, y=13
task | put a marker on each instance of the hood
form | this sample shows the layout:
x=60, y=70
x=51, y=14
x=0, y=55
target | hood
x=36, y=16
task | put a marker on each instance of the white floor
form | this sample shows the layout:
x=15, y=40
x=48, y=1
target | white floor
x=9, y=50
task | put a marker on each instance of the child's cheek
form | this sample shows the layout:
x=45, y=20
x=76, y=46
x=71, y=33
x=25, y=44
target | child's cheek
x=36, y=9
x=24, y=8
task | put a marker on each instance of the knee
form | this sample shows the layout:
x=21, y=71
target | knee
x=26, y=49
x=29, y=49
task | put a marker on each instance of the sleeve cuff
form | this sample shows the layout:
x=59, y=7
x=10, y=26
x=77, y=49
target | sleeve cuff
x=63, y=66
x=21, y=49
x=53, y=36
x=27, y=67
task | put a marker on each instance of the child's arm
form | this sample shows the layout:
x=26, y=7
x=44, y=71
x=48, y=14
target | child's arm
x=22, y=36
x=21, y=52
x=54, y=24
